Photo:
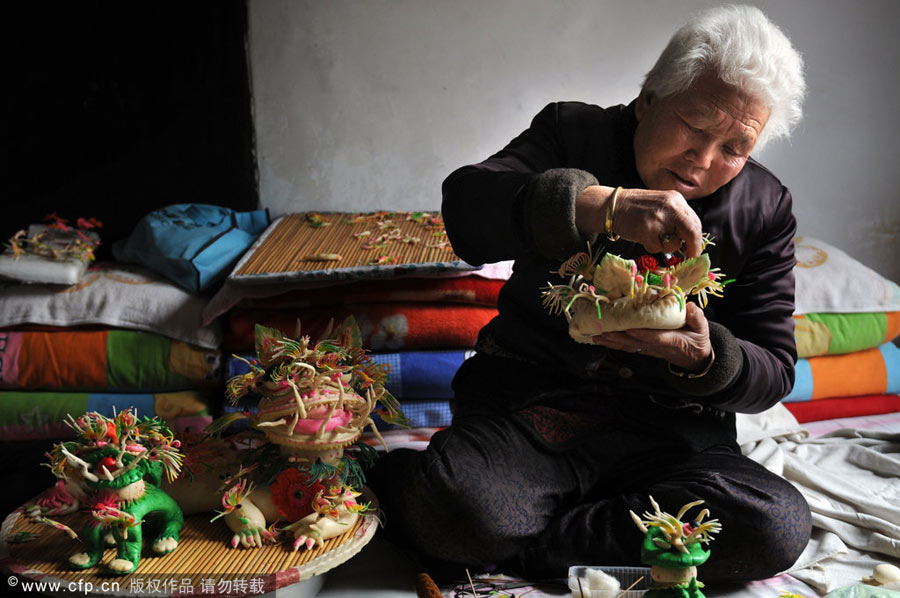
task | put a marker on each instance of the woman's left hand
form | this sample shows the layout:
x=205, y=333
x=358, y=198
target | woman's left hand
x=688, y=347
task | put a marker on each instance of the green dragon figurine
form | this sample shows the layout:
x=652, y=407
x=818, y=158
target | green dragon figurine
x=674, y=549
x=117, y=465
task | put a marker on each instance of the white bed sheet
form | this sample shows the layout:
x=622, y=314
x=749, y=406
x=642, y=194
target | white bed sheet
x=849, y=471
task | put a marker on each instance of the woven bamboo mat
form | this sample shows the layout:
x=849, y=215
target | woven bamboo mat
x=336, y=245
x=203, y=553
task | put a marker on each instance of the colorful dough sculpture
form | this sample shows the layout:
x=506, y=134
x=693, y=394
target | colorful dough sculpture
x=294, y=475
x=296, y=480
x=113, y=471
x=621, y=294
x=674, y=548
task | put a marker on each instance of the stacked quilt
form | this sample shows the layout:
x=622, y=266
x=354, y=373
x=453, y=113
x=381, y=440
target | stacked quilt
x=122, y=336
x=127, y=336
x=846, y=318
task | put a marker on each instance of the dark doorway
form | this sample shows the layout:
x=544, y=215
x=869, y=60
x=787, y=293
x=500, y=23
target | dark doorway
x=114, y=109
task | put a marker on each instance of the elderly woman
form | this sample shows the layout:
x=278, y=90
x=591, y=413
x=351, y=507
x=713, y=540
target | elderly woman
x=553, y=442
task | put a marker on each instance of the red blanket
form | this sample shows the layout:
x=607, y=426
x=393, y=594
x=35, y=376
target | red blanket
x=465, y=289
x=384, y=326
x=822, y=409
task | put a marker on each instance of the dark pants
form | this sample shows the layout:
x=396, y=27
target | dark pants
x=488, y=492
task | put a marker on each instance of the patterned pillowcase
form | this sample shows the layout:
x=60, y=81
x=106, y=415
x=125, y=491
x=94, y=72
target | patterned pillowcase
x=830, y=281
x=841, y=306
x=115, y=295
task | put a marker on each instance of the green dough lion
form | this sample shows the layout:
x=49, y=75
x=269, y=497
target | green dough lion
x=673, y=549
x=117, y=466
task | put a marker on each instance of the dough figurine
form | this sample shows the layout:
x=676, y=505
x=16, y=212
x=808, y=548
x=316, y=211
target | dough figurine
x=293, y=476
x=620, y=294
x=113, y=471
x=884, y=575
x=673, y=549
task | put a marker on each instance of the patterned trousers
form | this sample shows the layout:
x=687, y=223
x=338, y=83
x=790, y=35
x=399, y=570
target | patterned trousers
x=490, y=493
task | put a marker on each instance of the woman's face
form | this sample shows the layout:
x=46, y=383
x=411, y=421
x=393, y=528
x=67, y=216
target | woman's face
x=696, y=141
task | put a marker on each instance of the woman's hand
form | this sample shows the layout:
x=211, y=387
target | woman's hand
x=661, y=221
x=687, y=347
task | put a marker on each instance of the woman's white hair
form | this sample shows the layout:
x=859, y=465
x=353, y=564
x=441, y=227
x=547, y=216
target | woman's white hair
x=745, y=50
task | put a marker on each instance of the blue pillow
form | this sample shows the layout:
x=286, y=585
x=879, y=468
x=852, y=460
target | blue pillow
x=193, y=245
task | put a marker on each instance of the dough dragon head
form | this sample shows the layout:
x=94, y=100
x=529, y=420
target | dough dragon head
x=673, y=543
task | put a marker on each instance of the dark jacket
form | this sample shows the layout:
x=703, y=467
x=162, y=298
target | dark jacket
x=519, y=204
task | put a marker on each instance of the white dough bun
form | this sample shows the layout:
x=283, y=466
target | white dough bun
x=624, y=314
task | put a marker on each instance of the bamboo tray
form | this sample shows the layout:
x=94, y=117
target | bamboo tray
x=294, y=249
x=203, y=561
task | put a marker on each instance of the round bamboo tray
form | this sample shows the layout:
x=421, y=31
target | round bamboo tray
x=204, y=564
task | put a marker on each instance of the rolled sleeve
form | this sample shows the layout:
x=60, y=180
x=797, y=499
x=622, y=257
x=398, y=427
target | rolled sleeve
x=550, y=211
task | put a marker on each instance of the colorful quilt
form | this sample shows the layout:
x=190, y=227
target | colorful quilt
x=871, y=372
x=473, y=290
x=418, y=376
x=839, y=333
x=384, y=326
x=414, y=375
x=420, y=380
x=104, y=360
x=434, y=413
x=234, y=294
x=39, y=415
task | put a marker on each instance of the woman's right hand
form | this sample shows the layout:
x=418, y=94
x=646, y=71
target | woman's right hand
x=661, y=221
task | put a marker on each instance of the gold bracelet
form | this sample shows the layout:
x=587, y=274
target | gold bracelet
x=681, y=374
x=610, y=215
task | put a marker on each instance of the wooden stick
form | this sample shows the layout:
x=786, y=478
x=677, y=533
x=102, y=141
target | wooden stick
x=631, y=586
x=474, y=594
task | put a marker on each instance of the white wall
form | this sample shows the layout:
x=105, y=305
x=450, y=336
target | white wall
x=369, y=104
